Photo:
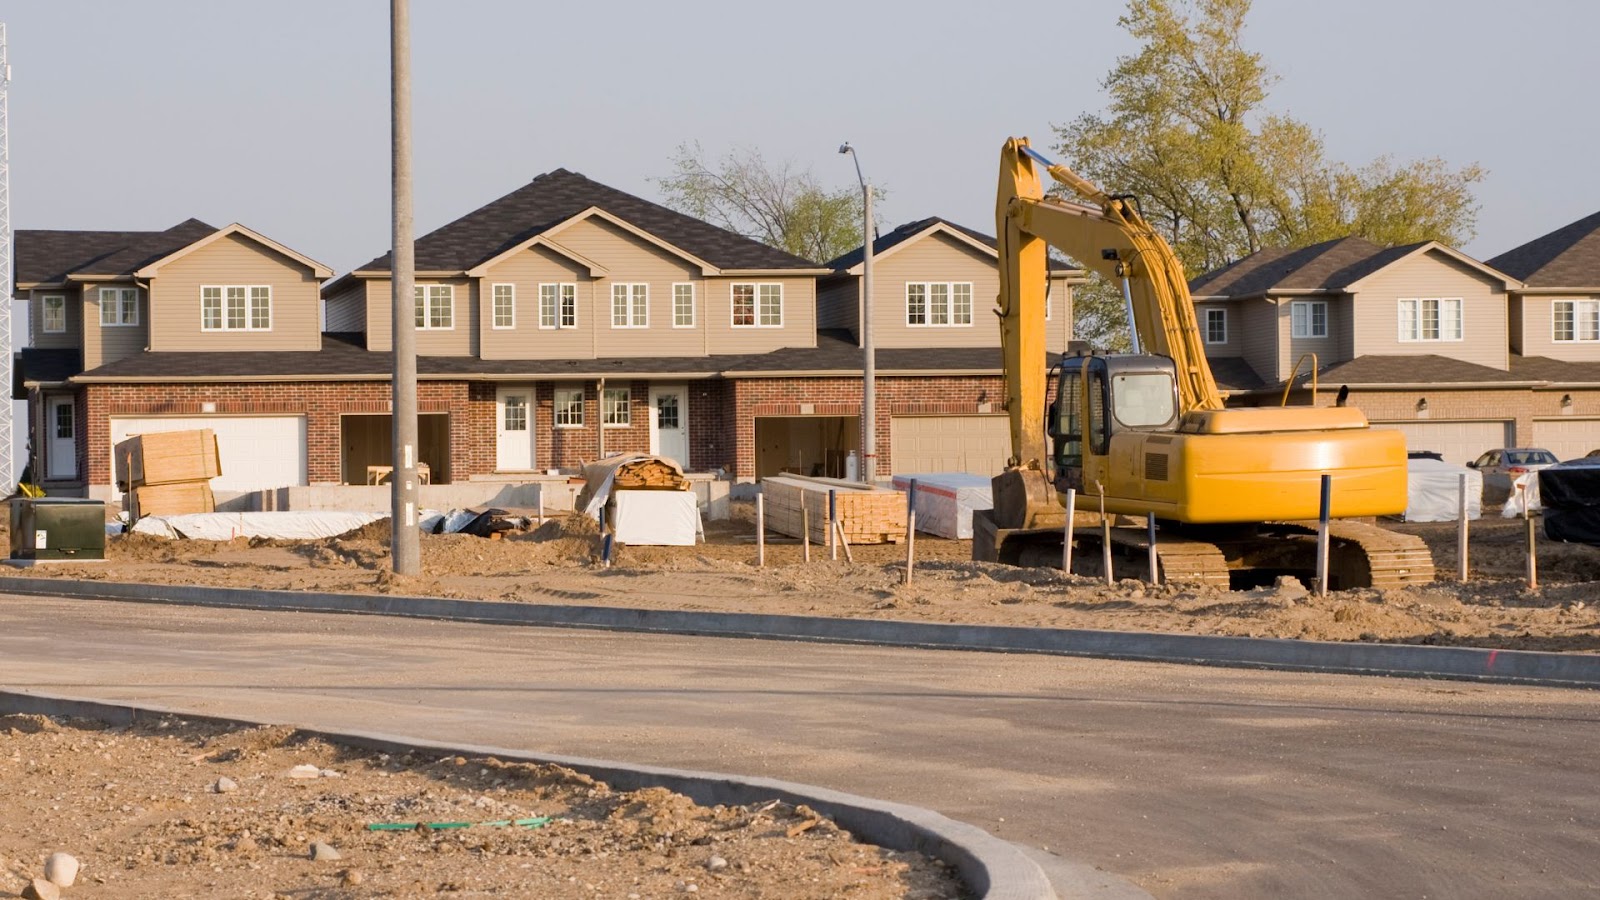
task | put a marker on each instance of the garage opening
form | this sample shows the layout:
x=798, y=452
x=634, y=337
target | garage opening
x=806, y=445
x=367, y=441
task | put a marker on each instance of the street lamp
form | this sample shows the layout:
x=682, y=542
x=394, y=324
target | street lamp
x=869, y=366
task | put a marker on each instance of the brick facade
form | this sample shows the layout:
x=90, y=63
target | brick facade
x=1520, y=406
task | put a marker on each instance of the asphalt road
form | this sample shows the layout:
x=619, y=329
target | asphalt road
x=1191, y=782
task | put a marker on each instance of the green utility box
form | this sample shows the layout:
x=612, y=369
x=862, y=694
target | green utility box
x=57, y=528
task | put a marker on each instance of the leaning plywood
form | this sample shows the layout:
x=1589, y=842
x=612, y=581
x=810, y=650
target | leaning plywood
x=167, y=457
x=868, y=515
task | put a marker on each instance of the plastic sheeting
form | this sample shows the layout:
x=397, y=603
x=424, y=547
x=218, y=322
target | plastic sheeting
x=658, y=518
x=1433, y=491
x=1524, y=494
x=284, y=525
x=1571, y=493
x=945, y=501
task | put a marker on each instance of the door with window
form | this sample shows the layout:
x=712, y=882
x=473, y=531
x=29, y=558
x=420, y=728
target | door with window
x=670, y=438
x=61, y=459
x=514, y=429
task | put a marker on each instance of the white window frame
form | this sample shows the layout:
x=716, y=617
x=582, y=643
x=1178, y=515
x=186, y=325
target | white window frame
x=1222, y=315
x=255, y=307
x=952, y=293
x=44, y=313
x=760, y=293
x=558, y=305
x=1412, y=328
x=125, y=302
x=1577, y=311
x=616, y=416
x=1310, y=332
x=510, y=294
x=635, y=297
x=682, y=292
x=561, y=407
x=426, y=296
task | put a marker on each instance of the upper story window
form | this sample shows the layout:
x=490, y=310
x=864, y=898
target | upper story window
x=558, y=306
x=53, y=315
x=616, y=408
x=630, y=305
x=436, y=307
x=119, y=306
x=683, y=306
x=235, y=307
x=1217, y=326
x=939, y=303
x=505, y=306
x=758, y=305
x=1430, y=319
x=1308, y=319
x=1574, y=320
x=569, y=407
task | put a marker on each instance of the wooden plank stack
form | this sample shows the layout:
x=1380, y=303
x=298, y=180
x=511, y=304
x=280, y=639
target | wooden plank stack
x=650, y=474
x=867, y=514
x=168, y=473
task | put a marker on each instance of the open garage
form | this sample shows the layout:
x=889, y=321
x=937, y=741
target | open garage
x=1566, y=437
x=976, y=444
x=1457, y=442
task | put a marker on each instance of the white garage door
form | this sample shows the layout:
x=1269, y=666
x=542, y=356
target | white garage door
x=975, y=444
x=1459, y=442
x=1567, y=438
x=257, y=452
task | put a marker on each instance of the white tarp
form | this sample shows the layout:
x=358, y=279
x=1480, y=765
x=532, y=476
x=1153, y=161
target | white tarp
x=661, y=518
x=1433, y=490
x=1524, y=490
x=283, y=525
x=945, y=501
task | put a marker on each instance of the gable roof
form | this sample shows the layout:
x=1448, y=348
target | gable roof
x=52, y=257
x=1336, y=265
x=556, y=197
x=1567, y=257
x=148, y=270
x=886, y=243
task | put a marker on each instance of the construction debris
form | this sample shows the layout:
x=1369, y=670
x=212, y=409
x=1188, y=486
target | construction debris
x=867, y=514
x=168, y=473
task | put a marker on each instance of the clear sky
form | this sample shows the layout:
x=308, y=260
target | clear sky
x=274, y=113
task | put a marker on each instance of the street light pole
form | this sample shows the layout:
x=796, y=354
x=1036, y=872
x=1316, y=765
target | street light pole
x=869, y=363
x=404, y=546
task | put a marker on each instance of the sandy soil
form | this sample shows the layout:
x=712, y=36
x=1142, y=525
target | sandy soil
x=141, y=811
x=557, y=563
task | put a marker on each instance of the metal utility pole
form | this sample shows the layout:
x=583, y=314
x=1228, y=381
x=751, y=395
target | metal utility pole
x=405, y=545
x=869, y=362
x=8, y=466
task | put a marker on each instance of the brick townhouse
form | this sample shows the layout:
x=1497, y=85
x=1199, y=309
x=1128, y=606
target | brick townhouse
x=561, y=321
x=1463, y=356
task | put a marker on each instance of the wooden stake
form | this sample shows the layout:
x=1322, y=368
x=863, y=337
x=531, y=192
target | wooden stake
x=1150, y=535
x=911, y=528
x=1105, y=535
x=1323, y=510
x=1462, y=569
x=761, y=531
x=1066, y=532
x=1533, y=552
x=844, y=541
x=833, y=525
x=805, y=530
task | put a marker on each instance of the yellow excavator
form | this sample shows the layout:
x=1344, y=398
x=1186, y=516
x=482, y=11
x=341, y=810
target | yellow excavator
x=1236, y=491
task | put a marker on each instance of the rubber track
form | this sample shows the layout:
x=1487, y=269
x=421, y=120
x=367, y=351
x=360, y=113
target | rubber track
x=1181, y=560
x=1395, y=560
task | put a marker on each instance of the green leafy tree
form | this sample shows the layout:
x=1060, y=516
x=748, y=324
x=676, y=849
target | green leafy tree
x=774, y=203
x=1186, y=129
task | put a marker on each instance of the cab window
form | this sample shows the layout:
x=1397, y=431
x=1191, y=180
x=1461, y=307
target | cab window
x=1099, y=421
x=1143, y=399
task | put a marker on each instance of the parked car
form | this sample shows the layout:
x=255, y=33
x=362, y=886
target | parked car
x=1501, y=467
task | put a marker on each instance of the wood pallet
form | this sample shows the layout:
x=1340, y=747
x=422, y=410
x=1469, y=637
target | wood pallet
x=868, y=515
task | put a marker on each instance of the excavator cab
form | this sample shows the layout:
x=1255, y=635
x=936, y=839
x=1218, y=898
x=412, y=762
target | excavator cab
x=1099, y=396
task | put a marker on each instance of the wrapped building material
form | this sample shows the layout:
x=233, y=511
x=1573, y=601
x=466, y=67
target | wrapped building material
x=1433, y=491
x=945, y=501
x=1570, y=493
x=657, y=518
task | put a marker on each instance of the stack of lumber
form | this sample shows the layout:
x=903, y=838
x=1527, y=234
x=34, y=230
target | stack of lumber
x=168, y=473
x=867, y=514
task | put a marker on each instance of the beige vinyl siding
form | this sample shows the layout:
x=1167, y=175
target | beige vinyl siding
x=461, y=340
x=1259, y=325
x=1331, y=349
x=235, y=260
x=102, y=344
x=526, y=271
x=1485, y=339
x=1233, y=346
x=839, y=302
x=1538, y=331
x=346, y=311
x=73, y=336
x=629, y=259
x=799, y=316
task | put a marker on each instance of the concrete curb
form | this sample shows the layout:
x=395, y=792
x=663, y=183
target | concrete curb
x=992, y=868
x=1405, y=660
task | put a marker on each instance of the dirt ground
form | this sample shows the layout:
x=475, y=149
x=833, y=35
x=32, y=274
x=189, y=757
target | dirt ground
x=141, y=810
x=557, y=564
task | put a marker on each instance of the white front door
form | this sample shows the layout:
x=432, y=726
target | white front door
x=62, y=426
x=514, y=429
x=670, y=437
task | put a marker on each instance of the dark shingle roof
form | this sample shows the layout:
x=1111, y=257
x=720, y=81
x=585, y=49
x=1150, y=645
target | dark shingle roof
x=1418, y=369
x=1543, y=368
x=1330, y=265
x=912, y=229
x=1234, y=374
x=48, y=257
x=1566, y=257
x=554, y=197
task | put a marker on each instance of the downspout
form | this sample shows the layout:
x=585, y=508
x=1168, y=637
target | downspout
x=600, y=425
